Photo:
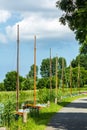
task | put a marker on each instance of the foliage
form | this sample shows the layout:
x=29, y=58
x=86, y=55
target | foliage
x=83, y=76
x=75, y=13
x=8, y=115
x=2, y=88
x=42, y=83
x=10, y=81
x=53, y=82
x=45, y=95
x=45, y=83
x=80, y=59
x=45, y=66
x=60, y=63
x=40, y=123
x=27, y=84
x=31, y=72
x=83, y=48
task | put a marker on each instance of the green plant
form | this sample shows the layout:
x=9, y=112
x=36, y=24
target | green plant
x=8, y=112
x=43, y=95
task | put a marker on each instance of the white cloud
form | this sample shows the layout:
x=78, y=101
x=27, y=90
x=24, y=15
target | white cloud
x=37, y=25
x=43, y=23
x=27, y=5
x=3, y=38
x=4, y=15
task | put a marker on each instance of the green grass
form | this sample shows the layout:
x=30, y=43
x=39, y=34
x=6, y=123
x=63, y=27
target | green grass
x=39, y=123
x=35, y=122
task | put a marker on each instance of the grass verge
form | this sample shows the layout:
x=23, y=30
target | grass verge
x=40, y=122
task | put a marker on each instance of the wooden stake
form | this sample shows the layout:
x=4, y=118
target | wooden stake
x=56, y=75
x=70, y=79
x=62, y=75
x=34, y=70
x=79, y=78
x=50, y=72
x=17, y=85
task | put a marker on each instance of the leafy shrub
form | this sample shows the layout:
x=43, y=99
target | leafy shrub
x=45, y=94
x=8, y=114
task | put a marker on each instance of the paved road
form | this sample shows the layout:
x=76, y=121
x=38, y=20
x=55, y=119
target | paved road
x=71, y=117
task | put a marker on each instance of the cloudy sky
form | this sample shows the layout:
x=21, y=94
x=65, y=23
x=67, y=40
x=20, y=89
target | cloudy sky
x=35, y=17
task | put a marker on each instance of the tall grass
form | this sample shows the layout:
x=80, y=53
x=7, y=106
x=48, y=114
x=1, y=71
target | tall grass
x=36, y=122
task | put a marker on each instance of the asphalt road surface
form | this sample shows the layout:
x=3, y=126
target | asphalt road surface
x=71, y=117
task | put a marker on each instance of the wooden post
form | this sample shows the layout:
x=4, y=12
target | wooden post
x=62, y=75
x=79, y=78
x=24, y=117
x=3, y=128
x=50, y=72
x=34, y=70
x=56, y=75
x=70, y=79
x=17, y=85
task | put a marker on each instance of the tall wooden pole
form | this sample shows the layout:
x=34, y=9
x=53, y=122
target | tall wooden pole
x=17, y=85
x=56, y=75
x=70, y=78
x=50, y=72
x=62, y=75
x=79, y=77
x=34, y=70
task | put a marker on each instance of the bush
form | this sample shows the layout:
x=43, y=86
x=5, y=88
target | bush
x=8, y=114
x=44, y=95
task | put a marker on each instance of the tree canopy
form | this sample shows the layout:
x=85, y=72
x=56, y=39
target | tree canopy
x=45, y=66
x=31, y=72
x=10, y=81
x=80, y=59
x=75, y=14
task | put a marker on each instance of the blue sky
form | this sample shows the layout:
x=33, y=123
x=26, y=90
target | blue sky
x=40, y=18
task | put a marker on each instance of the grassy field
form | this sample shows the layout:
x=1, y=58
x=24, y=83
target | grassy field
x=35, y=122
x=40, y=122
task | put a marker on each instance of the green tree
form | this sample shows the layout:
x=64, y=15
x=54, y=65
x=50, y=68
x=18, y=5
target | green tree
x=42, y=83
x=75, y=14
x=83, y=76
x=45, y=66
x=81, y=59
x=31, y=72
x=60, y=63
x=27, y=84
x=11, y=80
x=83, y=48
x=60, y=67
x=2, y=88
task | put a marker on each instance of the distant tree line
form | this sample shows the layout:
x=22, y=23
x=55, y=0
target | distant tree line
x=27, y=83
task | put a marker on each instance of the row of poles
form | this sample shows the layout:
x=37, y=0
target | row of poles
x=56, y=75
x=17, y=85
